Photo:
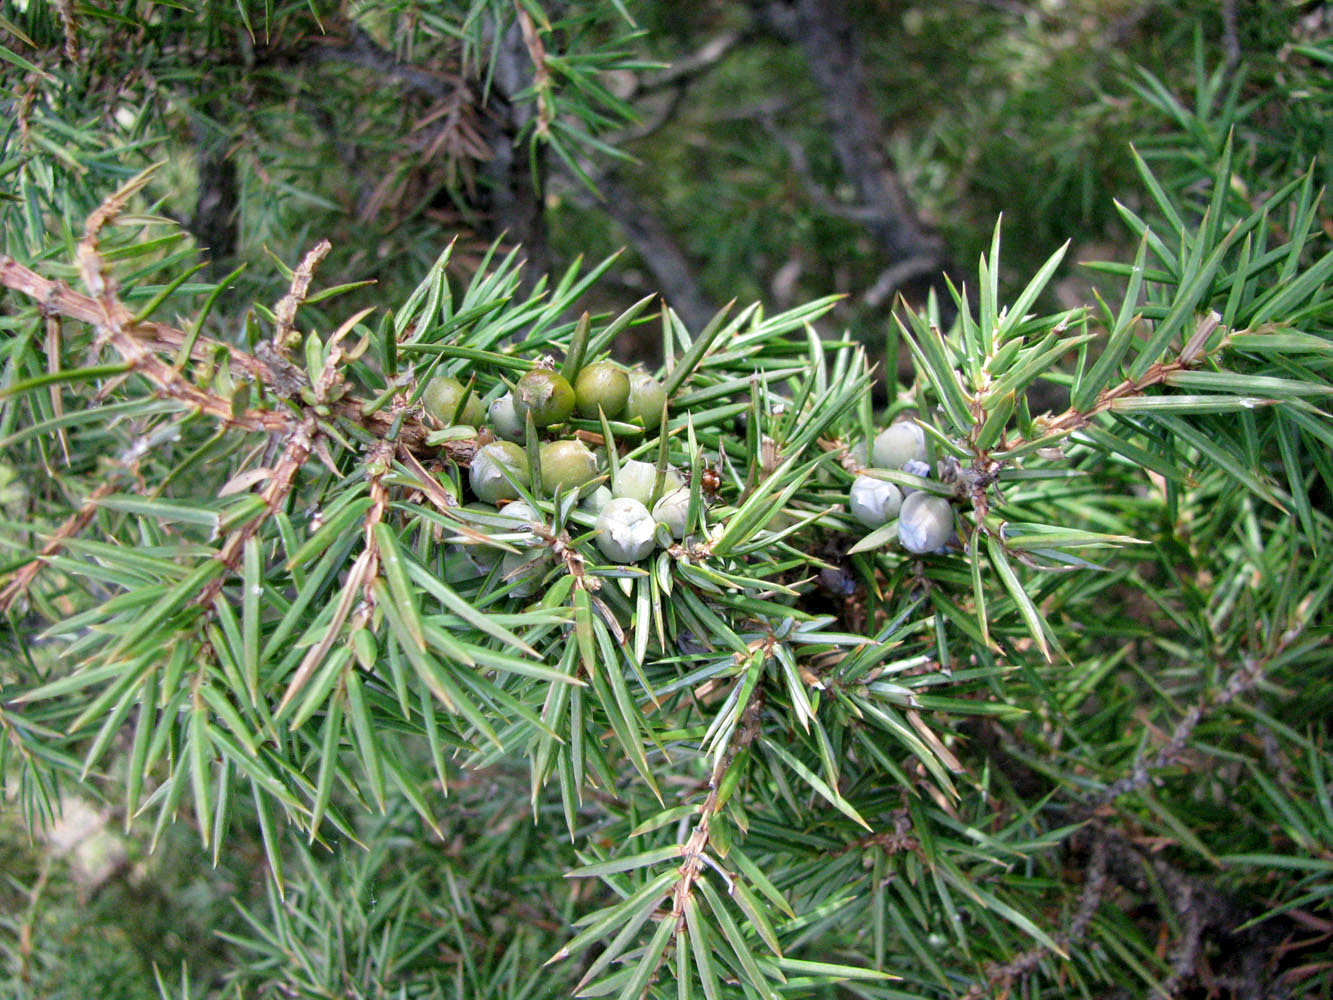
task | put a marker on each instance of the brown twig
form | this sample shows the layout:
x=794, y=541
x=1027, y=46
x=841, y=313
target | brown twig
x=296, y=451
x=896, y=275
x=148, y=338
x=140, y=345
x=72, y=526
x=1242, y=678
x=687, y=68
x=999, y=977
x=52, y=367
x=285, y=311
x=541, y=73
x=1158, y=373
x=57, y=298
x=70, y=24
x=359, y=578
x=356, y=47
x=694, y=850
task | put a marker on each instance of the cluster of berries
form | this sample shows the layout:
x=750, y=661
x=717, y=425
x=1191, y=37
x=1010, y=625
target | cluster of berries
x=627, y=512
x=925, y=520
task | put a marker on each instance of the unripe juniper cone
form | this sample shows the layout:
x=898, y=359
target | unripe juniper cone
x=897, y=445
x=489, y=483
x=442, y=396
x=635, y=479
x=596, y=500
x=672, y=510
x=646, y=396
x=545, y=395
x=566, y=465
x=521, y=513
x=504, y=419
x=625, y=530
x=925, y=522
x=483, y=558
x=874, y=501
x=601, y=387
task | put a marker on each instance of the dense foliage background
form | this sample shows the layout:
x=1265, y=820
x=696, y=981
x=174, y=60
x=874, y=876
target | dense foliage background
x=1088, y=753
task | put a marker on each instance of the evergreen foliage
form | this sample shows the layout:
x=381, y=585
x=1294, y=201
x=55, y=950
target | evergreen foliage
x=431, y=750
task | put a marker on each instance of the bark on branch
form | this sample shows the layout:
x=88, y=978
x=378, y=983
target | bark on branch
x=827, y=37
x=671, y=268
